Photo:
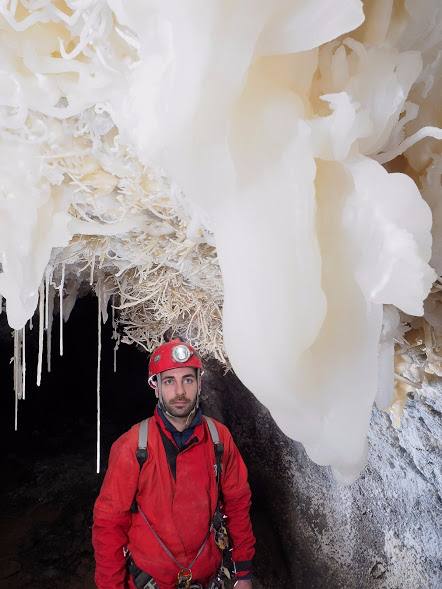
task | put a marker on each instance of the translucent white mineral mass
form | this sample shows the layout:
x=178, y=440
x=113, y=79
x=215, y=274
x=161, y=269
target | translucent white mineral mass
x=272, y=118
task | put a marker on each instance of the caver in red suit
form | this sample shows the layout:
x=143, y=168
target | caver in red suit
x=177, y=492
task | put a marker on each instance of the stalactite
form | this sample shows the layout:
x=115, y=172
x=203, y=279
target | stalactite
x=15, y=410
x=47, y=285
x=115, y=334
x=31, y=324
x=18, y=381
x=50, y=296
x=41, y=324
x=99, y=293
x=15, y=361
x=18, y=363
x=1, y=304
x=23, y=368
x=60, y=292
x=91, y=279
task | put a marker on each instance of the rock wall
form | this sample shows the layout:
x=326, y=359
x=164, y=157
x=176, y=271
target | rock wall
x=384, y=531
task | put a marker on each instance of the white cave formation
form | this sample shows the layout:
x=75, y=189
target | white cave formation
x=216, y=168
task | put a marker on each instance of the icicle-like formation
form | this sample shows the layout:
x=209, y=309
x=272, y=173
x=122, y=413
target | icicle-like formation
x=14, y=333
x=91, y=277
x=1, y=304
x=50, y=297
x=47, y=286
x=115, y=334
x=18, y=363
x=15, y=408
x=98, y=374
x=41, y=324
x=60, y=293
x=15, y=411
x=23, y=369
x=18, y=380
x=31, y=324
x=14, y=367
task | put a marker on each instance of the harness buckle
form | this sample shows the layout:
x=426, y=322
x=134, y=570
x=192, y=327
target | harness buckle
x=184, y=578
x=221, y=538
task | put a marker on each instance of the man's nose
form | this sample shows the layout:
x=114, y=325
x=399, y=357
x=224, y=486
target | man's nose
x=180, y=390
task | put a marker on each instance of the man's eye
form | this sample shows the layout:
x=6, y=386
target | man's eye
x=168, y=381
x=189, y=380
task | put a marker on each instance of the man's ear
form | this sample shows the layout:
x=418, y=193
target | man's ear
x=153, y=385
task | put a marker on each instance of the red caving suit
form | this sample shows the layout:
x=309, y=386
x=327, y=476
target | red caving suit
x=180, y=510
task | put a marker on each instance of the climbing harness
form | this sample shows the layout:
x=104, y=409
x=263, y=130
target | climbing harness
x=143, y=580
x=226, y=570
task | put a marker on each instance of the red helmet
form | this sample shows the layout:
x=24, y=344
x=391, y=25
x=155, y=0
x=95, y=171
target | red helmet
x=173, y=354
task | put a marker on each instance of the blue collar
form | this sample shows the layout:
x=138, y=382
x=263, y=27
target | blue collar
x=181, y=438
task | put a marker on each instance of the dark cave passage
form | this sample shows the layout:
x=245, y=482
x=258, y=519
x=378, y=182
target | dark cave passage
x=48, y=466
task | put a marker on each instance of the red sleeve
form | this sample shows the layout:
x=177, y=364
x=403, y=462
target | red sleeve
x=236, y=501
x=112, y=516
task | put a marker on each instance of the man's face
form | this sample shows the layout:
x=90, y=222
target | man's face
x=179, y=389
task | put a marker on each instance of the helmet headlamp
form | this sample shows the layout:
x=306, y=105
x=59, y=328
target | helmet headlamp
x=181, y=353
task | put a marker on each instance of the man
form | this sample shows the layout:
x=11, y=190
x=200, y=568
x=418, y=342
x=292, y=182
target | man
x=168, y=540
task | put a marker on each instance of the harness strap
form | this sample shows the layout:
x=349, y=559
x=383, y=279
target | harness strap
x=213, y=429
x=142, y=580
x=167, y=551
x=141, y=453
x=219, y=449
x=143, y=432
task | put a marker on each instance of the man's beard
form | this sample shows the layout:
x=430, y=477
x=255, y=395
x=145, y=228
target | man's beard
x=182, y=410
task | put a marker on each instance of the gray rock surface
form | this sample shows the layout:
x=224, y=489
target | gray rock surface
x=383, y=532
